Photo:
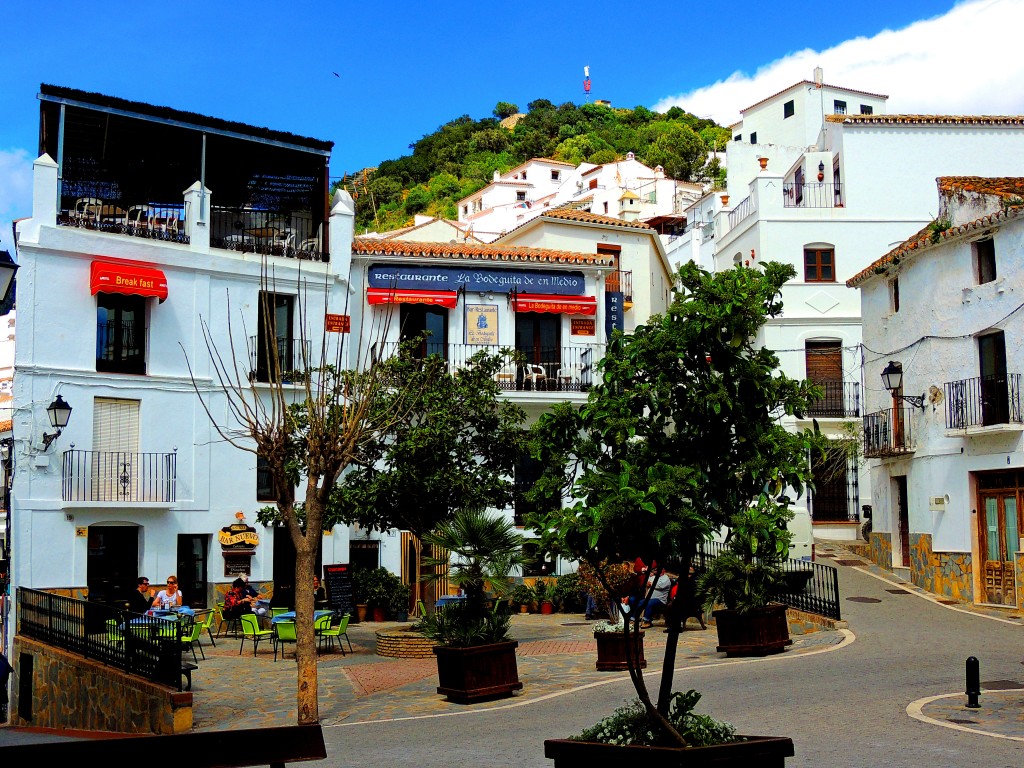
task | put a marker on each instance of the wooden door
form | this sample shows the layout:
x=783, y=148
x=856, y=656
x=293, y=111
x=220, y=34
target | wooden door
x=999, y=539
x=995, y=403
x=903, y=516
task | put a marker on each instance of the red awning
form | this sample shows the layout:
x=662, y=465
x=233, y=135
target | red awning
x=565, y=305
x=409, y=296
x=133, y=279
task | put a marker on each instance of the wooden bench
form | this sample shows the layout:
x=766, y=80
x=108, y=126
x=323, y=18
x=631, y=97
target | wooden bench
x=274, y=747
x=186, y=675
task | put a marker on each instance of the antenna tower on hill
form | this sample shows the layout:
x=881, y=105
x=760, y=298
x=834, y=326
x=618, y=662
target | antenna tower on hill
x=586, y=82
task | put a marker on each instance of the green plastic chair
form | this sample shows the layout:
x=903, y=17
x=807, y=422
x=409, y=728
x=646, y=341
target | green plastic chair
x=206, y=619
x=284, y=632
x=319, y=626
x=277, y=611
x=114, y=633
x=336, y=633
x=227, y=625
x=190, y=634
x=251, y=631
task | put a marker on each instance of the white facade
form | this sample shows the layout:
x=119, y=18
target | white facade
x=935, y=469
x=140, y=457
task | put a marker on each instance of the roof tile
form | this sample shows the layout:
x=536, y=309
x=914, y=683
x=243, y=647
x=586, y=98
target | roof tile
x=928, y=119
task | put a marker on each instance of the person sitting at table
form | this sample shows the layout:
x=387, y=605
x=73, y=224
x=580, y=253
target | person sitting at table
x=140, y=600
x=236, y=602
x=169, y=597
x=319, y=593
x=250, y=591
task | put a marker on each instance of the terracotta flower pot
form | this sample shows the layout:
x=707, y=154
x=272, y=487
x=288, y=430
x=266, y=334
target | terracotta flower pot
x=547, y=608
x=361, y=611
x=380, y=614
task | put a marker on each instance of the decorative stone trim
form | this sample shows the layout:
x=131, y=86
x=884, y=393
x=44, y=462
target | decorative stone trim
x=404, y=644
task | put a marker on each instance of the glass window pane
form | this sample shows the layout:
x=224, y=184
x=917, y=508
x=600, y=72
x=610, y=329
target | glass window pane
x=992, y=524
x=1010, y=515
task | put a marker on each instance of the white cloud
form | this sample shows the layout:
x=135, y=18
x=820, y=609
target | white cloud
x=966, y=61
x=15, y=192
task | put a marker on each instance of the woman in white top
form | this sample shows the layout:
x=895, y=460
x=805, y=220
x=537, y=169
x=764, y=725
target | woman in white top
x=169, y=596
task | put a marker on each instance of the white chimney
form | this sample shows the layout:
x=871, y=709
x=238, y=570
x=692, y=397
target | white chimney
x=818, y=77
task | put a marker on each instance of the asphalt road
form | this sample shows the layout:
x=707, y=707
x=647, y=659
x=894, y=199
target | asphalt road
x=844, y=707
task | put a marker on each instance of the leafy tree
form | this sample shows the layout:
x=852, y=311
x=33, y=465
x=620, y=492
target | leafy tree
x=580, y=148
x=682, y=432
x=505, y=109
x=457, y=450
x=675, y=147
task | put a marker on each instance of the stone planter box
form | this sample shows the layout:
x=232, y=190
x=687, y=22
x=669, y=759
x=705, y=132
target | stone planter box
x=612, y=651
x=482, y=672
x=403, y=644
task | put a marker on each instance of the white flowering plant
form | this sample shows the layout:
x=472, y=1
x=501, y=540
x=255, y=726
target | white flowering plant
x=607, y=626
x=631, y=724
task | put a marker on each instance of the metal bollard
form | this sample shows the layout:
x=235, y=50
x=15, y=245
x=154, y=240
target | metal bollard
x=973, y=683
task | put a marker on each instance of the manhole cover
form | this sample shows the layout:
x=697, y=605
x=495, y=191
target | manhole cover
x=897, y=592
x=961, y=722
x=1002, y=685
x=863, y=599
x=849, y=562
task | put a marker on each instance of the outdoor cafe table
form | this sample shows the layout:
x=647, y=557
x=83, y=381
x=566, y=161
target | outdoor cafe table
x=290, y=616
x=448, y=600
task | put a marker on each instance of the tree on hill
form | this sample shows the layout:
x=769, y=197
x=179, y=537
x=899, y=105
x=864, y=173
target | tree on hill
x=505, y=109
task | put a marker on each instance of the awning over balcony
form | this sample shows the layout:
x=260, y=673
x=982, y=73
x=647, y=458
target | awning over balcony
x=565, y=305
x=408, y=296
x=132, y=279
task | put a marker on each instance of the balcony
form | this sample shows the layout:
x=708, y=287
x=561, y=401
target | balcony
x=620, y=281
x=290, y=359
x=743, y=209
x=983, y=403
x=836, y=499
x=537, y=369
x=813, y=195
x=888, y=433
x=840, y=401
x=116, y=476
x=124, y=167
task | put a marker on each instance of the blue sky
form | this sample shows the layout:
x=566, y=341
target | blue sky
x=403, y=69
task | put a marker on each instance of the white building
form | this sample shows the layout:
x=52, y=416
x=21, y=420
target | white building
x=947, y=461
x=127, y=262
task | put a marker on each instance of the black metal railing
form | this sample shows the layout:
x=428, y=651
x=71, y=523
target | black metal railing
x=119, y=476
x=841, y=400
x=806, y=586
x=273, y=233
x=812, y=195
x=743, y=208
x=140, y=645
x=99, y=206
x=888, y=433
x=620, y=281
x=291, y=360
x=542, y=369
x=983, y=401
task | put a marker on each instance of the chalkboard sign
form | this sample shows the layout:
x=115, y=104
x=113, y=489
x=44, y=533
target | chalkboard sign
x=338, y=580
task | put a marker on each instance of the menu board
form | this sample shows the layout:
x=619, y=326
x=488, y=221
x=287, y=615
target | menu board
x=338, y=580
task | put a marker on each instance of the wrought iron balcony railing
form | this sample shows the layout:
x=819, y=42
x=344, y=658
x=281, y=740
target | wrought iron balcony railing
x=273, y=233
x=983, y=401
x=888, y=433
x=620, y=281
x=840, y=401
x=836, y=500
x=101, y=206
x=743, y=209
x=119, y=476
x=290, y=359
x=541, y=369
x=812, y=195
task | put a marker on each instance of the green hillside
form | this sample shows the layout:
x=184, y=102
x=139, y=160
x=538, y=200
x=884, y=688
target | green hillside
x=461, y=156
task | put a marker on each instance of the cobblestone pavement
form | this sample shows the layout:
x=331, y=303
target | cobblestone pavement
x=556, y=654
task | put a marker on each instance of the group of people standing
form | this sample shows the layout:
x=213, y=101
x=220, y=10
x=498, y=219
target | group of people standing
x=146, y=597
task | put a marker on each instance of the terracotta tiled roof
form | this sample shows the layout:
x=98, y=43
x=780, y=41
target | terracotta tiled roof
x=6, y=426
x=922, y=240
x=811, y=82
x=391, y=235
x=1004, y=186
x=474, y=252
x=928, y=119
x=573, y=214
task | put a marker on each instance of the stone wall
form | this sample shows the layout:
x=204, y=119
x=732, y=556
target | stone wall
x=73, y=693
x=942, y=573
x=881, y=549
x=404, y=644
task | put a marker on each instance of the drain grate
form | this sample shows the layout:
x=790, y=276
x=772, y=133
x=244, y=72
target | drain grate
x=898, y=591
x=961, y=722
x=863, y=599
x=948, y=602
x=850, y=562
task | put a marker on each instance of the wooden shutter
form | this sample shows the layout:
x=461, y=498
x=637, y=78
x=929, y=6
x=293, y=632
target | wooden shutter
x=824, y=360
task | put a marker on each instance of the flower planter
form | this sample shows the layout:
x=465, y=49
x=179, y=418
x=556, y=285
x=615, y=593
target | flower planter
x=612, y=651
x=380, y=614
x=547, y=607
x=361, y=611
x=758, y=632
x=481, y=672
x=760, y=751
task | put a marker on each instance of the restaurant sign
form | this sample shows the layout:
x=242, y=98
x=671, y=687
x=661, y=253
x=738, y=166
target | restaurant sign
x=582, y=326
x=481, y=280
x=238, y=536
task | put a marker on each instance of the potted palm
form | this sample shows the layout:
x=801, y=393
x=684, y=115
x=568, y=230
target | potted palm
x=681, y=432
x=744, y=577
x=476, y=658
x=544, y=597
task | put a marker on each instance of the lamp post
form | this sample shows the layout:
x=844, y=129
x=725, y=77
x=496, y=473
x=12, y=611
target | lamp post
x=892, y=380
x=59, y=413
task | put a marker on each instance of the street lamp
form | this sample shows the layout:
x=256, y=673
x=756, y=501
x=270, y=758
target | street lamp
x=892, y=380
x=7, y=270
x=59, y=412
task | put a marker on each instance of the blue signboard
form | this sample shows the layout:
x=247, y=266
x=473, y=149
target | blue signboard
x=430, y=278
x=613, y=312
